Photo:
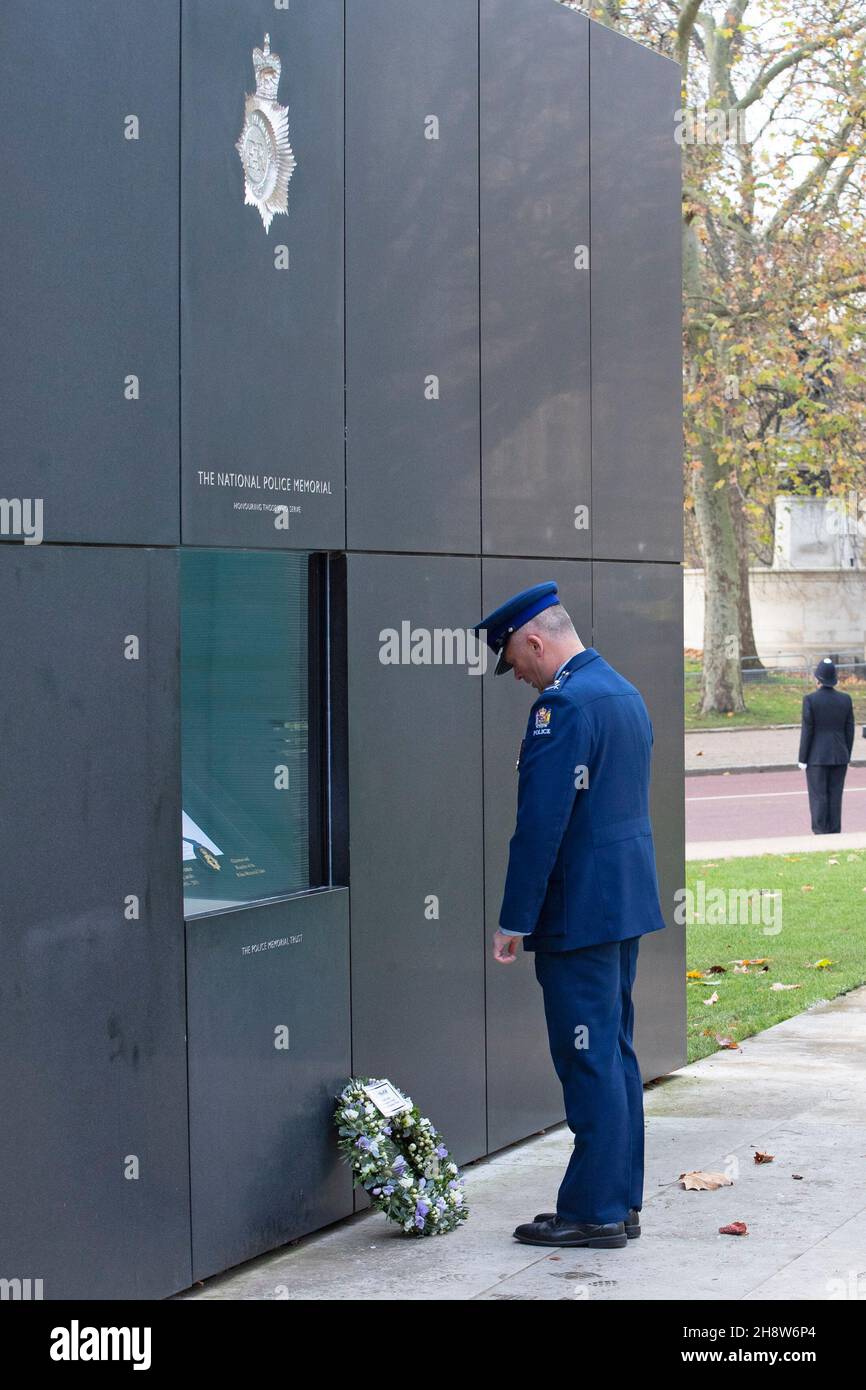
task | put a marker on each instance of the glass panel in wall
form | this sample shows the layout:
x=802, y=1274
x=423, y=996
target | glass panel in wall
x=248, y=740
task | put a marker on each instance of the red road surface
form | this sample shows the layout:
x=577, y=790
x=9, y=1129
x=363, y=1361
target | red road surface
x=747, y=805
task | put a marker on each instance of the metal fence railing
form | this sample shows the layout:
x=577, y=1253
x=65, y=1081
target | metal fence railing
x=801, y=671
x=797, y=677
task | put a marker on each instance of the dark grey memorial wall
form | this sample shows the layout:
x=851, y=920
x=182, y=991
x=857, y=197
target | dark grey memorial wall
x=260, y=1127
x=93, y=1144
x=636, y=302
x=412, y=367
x=261, y=347
x=416, y=843
x=442, y=358
x=88, y=248
x=535, y=286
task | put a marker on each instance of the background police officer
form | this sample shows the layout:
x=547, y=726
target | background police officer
x=826, y=740
x=580, y=890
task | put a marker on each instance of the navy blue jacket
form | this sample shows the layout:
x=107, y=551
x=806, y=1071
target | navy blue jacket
x=827, y=727
x=581, y=862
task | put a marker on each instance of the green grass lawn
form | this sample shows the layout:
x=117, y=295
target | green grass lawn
x=822, y=916
x=776, y=700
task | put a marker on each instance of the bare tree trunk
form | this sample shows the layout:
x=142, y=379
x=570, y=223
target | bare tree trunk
x=749, y=659
x=721, y=683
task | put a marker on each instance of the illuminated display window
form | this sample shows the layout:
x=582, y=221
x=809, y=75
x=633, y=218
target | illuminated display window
x=252, y=727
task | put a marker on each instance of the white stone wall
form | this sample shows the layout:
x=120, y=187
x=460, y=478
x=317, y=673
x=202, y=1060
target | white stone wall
x=797, y=614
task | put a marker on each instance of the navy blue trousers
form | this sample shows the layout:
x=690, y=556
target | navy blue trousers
x=825, y=783
x=590, y=1024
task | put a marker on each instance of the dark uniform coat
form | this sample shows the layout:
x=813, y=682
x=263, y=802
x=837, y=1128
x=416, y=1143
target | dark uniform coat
x=826, y=741
x=581, y=865
x=827, y=729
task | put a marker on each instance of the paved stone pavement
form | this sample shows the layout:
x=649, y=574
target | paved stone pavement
x=785, y=844
x=752, y=748
x=797, y=1091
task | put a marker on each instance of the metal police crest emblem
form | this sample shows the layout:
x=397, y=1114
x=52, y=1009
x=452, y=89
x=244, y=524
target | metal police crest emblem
x=542, y=719
x=263, y=145
x=204, y=854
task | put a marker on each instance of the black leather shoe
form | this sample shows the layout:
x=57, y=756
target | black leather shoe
x=607, y=1236
x=632, y=1221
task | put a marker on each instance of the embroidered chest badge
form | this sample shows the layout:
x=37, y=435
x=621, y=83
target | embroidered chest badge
x=542, y=720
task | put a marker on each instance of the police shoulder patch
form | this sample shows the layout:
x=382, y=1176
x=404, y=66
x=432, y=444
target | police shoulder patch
x=542, y=719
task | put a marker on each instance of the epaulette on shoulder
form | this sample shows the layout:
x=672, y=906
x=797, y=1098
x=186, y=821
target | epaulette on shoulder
x=558, y=683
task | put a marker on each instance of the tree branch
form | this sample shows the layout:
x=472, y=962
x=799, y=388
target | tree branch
x=815, y=177
x=685, y=28
x=762, y=82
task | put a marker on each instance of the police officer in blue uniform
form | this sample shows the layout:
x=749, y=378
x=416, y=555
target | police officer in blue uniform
x=580, y=891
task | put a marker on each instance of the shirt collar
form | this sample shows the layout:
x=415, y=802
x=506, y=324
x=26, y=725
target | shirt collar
x=579, y=659
x=574, y=662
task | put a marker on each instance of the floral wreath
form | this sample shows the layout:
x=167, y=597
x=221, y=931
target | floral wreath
x=400, y=1161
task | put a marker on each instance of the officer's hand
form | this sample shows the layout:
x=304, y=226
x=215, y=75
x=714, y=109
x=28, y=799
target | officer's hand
x=505, y=947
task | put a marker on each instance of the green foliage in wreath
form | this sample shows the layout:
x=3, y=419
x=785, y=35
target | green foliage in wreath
x=400, y=1161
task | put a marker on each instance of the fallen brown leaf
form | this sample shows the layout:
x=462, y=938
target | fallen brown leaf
x=762, y=1157
x=698, y=1181
x=735, y=1228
